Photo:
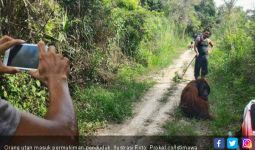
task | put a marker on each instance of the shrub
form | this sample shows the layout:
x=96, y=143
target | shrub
x=24, y=93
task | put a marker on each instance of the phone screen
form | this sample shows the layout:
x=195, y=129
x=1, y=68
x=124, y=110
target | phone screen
x=24, y=56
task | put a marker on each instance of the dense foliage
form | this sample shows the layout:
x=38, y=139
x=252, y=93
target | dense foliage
x=232, y=69
x=231, y=72
x=112, y=42
x=109, y=43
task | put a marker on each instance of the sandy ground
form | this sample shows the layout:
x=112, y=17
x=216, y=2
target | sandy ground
x=157, y=104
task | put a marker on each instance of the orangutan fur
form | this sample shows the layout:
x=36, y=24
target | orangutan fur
x=194, y=99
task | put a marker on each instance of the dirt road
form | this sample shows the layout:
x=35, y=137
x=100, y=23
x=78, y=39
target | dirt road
x=157, y=104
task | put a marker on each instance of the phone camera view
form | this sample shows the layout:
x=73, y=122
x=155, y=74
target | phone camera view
x=24, y=56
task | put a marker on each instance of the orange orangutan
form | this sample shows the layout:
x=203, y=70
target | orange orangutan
x=194, y=99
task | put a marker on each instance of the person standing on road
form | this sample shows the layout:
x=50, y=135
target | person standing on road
x=201, y=48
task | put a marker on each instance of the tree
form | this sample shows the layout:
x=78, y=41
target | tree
x=183, y=14
x=206, y=12
x=230, y=4
x=156, y=5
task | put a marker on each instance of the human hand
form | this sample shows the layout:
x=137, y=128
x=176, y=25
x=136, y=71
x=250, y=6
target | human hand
x=210, y=50
x=7, y=42
x=52, y=66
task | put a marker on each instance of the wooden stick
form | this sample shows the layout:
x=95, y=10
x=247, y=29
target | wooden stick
x=187, y=67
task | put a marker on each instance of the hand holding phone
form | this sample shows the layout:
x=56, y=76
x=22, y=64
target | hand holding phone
x=22, y=57
x=53, y=67
x=5, y=43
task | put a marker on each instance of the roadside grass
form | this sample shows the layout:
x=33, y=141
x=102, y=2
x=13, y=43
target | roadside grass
x=226, y=108
x=97, y=105
x=228, y=98
x=179, y=125
x=230, y=94
x=100, y=104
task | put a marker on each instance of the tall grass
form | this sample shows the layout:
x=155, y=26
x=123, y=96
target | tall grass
x=162, y=43
x=231, y=76
x=109, y=44
x=99, y=104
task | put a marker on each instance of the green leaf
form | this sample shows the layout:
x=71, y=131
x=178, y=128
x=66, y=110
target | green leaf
x=33, y=89
x=5, y=94
x=38, y=83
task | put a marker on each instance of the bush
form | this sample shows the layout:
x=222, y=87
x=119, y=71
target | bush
x=98, y=104
x=232, y=73
x=24, y=93
x=109, y=43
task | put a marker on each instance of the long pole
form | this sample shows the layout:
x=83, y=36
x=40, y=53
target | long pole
x=188, y=66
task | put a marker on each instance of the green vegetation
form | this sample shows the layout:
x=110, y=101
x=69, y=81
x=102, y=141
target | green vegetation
x=183, y=126
x=231, y=74
x=180, y=125
x=100, y=104
x=110, y=43
x=232, y=67
x=23, y=92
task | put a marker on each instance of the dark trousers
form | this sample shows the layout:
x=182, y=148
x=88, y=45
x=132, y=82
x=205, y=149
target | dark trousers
x=201, y=65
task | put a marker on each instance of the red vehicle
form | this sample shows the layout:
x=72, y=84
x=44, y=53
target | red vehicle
x=248, y=125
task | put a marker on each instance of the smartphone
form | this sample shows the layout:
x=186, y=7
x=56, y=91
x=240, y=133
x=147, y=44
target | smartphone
x=22, y=57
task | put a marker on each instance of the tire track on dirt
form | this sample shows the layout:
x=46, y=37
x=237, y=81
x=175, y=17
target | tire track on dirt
x=151, y=113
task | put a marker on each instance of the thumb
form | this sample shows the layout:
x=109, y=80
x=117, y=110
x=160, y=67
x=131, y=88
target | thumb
x=10, y=70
